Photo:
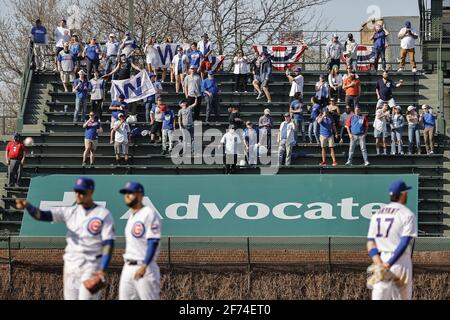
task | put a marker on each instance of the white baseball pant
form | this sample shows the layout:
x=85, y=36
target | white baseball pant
x=388, y=290
x=74, y=276
x=147, y=288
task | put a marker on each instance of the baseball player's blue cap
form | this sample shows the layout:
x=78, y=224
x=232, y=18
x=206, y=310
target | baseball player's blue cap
x=84, y=184
x=299, y=69
x=133, y=187
x=17, y=136
x=408, y=23
x=398, y=187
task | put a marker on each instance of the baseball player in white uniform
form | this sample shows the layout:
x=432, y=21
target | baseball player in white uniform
x=389, y=244
x=140, y=279
x=90, y=238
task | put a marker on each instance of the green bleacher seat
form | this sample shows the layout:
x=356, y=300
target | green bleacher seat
x=59, y=145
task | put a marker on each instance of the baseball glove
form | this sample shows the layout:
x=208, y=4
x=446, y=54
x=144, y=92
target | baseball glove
x=378, y=273
x=96, y=283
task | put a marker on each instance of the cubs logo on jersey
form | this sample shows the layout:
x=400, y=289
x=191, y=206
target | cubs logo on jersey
x=138, y=230
x=95, y=226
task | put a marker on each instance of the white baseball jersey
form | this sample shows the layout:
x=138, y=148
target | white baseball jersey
x=391, y=223
x=141, y=226
x=205, y=47
x=387, y=227
x=62, y=35
x=87, y=229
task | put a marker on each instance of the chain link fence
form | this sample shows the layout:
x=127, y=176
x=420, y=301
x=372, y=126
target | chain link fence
x=238, y=268
x=238, y=250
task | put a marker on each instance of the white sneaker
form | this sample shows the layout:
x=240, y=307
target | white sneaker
x=414, y=70
x=367, y=164
x=349, y=163
x=431, y=152
x=400, y=70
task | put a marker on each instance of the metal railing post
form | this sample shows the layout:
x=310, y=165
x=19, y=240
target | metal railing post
x=9, y=264
x=169, y=253
x=329, y=267
x=329, y=254
x=320, y=50
x=249, y=268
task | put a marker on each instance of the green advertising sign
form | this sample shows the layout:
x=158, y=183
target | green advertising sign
x=234, y=206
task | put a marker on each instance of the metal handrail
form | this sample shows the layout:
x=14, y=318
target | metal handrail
x=25, y=87
x=323, y=36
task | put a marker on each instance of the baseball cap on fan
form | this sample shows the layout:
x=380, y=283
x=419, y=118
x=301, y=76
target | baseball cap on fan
x=84, y=184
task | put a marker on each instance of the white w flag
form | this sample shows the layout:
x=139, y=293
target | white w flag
x=166, y=52
x=134, y=89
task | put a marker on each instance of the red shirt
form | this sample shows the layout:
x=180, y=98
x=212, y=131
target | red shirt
x=352, y=91
x=357, y=124
x=15, y=150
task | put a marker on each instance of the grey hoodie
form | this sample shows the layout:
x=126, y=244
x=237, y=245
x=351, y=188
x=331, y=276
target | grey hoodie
x=334, y=50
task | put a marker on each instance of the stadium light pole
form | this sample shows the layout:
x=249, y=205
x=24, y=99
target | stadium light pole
x=131, y=16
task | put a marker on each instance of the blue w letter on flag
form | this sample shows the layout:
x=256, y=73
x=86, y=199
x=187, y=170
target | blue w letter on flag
x=134, y=89
x=130, y=86
x=169, y=50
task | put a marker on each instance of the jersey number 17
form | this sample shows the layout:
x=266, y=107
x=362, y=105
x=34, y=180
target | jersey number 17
x=390, y=222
